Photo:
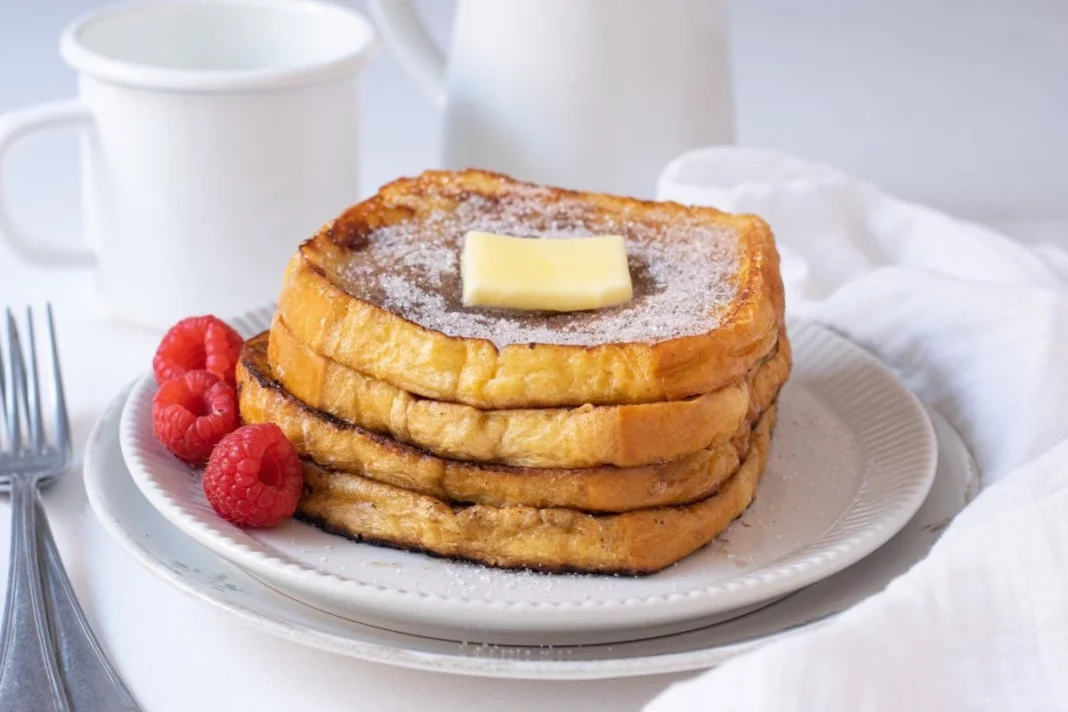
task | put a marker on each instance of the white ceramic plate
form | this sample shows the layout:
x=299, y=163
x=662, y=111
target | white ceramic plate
x=852, y=459
x=179, y=561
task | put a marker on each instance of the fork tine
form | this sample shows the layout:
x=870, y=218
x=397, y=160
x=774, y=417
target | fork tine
x=17, y=382
x=33, y=413
x=63, y=442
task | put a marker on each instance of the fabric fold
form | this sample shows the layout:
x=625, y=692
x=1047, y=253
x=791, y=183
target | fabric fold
x=975, y=324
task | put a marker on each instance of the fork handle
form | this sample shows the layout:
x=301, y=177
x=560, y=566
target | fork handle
x=85, y=666
x=29, y=673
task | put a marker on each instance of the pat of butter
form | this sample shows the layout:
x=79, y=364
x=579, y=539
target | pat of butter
x=553, y=274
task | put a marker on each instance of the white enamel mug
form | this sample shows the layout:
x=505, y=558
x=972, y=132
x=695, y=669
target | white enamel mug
x=216, y=135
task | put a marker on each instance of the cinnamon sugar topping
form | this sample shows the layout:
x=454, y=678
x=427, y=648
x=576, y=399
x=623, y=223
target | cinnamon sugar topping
x=682, y=270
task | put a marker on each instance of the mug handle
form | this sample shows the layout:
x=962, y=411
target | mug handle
x=69, y=113
x=415, y=49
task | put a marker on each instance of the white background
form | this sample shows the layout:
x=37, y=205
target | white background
x=959, y=103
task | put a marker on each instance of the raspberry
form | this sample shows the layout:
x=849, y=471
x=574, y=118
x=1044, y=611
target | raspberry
x=199, y=342
x=254, y=477
x=191, y=413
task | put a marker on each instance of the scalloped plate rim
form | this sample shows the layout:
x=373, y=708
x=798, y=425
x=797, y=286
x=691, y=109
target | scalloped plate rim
x=99, y=489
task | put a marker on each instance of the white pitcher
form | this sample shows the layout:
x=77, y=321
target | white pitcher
x=592, y=94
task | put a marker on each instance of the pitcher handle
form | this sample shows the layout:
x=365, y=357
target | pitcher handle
x=415, y=49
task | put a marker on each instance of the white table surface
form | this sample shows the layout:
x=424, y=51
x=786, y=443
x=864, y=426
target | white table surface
x=1006, y=165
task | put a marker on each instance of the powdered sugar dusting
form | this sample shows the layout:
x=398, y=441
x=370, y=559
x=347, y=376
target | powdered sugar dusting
x=681, y=269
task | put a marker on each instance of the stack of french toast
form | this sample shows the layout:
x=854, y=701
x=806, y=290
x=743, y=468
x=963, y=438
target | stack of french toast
x=616, y=440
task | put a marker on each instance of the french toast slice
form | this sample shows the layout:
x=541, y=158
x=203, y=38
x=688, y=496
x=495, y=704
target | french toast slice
x=552, y=540
x=625, y=436
x=379, y=290
x=343, y=446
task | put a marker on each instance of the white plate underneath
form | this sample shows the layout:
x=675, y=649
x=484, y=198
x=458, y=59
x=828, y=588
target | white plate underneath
x=179, y=561
x=852, y=459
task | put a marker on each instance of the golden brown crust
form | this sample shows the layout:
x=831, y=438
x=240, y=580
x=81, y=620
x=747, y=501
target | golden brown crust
x=625, y=436
x=554, y=540
x=388, y=347
x=340, y=445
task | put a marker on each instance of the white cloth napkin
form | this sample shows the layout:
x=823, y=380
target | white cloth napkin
x=976, y=325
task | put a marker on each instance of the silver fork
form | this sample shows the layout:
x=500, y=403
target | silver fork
x=49, y=657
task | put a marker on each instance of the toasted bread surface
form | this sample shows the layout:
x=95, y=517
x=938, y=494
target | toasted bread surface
x=343, y=446
x=377, y=290
x=552, y=540
x=625, y=436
